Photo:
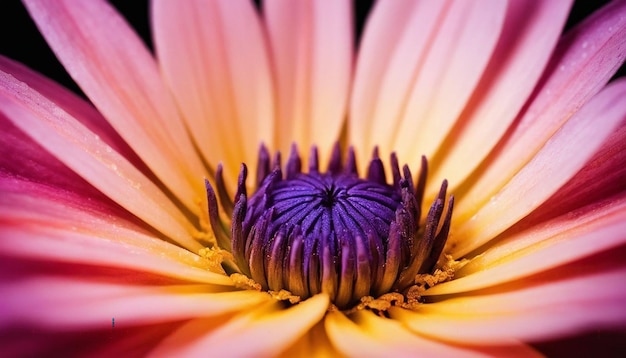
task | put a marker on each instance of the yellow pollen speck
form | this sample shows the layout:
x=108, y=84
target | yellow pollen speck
x=215, y=256
x=284, y=295
x=384, y=302
x=442, y=274
x=410, y=298
x=244, y=282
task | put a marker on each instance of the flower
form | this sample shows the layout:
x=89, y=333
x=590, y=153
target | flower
x=107, y=245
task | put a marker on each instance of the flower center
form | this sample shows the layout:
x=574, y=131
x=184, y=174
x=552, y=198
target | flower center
x=332, y=231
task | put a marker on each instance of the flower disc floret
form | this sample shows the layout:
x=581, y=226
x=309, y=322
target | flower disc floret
x=332, y=231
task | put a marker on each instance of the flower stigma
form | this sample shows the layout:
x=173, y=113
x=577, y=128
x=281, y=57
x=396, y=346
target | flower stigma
x=300, y=234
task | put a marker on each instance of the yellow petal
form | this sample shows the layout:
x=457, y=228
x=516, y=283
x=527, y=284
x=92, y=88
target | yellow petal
x=264, y=331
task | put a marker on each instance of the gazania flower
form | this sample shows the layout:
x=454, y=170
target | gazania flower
x=129, y=225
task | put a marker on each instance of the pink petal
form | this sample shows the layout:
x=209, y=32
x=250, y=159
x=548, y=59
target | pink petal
x=364, y=334
x=135, y=341
x=96, y=162
x=558, y=161
x=311, y=44
x=419, y=63
x=531, y=30
x=213, y=56
x=66, y=303
x=542, y=312
x=23, y=160
x=65, y=227
x=116, y=71
x=74, y=105
x=573, y=236
x=264, y=331
x=584, y=60
x=603, y=176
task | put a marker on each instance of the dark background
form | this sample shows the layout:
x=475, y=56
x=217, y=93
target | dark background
x=20, y=40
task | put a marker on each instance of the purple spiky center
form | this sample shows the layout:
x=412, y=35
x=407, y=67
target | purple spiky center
x=332, y=231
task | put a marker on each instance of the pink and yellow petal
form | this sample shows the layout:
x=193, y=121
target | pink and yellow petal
x=118, y=74
x=91, y=158
x=315, y=343
x=365, y=334
x=407, y=92
x=264, y=331
x=557, y=162
x=602, y=177
x=576, y=235
x=583, y=62
x=66, y=303
x=540, y=312
x=399, y=33
x=74, y=105
x=531, y=30
x=124, y=249
x=456, y=61
x=215, y=60
x=311, y=44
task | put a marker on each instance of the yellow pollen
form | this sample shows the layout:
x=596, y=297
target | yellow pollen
x=245, y=283
x=284, y=295
x=215, y=256
x=442, y=274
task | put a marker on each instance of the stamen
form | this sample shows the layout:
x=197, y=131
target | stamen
x=331, y=231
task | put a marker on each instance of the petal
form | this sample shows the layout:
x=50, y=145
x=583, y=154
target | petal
x=214, y=58
x=419, y=63
x=311, y=44
x=541, y=312
x=314, y=343
x=118, y=74
x=23, y=160
x=264, y=331
x=583, y=62
x=87, y=155
x=65, y=227
x=134, y=341
x=558, y=161
x=573, y=236
x=66, y=303
x=74, y=105
x=141, y=253
x=365, y=334
x=531, y=30
x=602, y=177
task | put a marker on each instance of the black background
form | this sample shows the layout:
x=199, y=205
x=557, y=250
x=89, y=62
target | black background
x=20, y=40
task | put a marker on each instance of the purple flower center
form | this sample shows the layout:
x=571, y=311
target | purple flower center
x=332, y=231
